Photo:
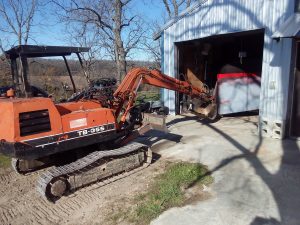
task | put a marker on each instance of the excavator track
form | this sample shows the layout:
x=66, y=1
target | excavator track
x=24, y=167
x=102, y=167
x=15, y=165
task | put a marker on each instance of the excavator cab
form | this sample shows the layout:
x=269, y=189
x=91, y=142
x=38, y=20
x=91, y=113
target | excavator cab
x=33, y=126
x=19, y=56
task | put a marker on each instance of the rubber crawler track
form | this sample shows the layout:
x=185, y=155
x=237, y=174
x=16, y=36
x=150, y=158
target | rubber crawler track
x=82, y=164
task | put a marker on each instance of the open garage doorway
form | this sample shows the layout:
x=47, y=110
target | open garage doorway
x=208, y=59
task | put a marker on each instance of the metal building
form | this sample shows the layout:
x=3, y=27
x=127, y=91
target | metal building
x=267, y=28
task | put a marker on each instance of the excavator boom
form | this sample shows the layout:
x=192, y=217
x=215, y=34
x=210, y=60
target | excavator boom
x=128, y=88
x=156, y=78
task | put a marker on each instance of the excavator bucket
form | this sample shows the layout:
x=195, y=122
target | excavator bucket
x=209, y=111
x=157, y=122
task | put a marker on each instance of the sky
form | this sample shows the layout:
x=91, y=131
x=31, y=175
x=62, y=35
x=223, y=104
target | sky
x=52, y=32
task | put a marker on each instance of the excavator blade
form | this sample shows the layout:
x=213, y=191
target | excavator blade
x=21, y=166
x=157, y=122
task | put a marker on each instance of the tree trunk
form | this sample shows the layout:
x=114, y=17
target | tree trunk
x=120, y=60
x=119, y=47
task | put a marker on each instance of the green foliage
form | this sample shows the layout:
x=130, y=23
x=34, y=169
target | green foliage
x=147, y=96
x=166, y=191
x=4, y=161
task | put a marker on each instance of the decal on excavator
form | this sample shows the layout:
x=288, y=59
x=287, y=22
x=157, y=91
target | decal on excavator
x=91, y=131
x=82, y=122
x=55, y=139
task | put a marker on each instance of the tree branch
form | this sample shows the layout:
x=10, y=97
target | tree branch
x=125, y=2
x=128, y=23
x=167, y=8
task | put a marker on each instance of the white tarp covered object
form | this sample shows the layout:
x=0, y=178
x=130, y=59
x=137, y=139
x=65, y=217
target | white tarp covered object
x=238, y=92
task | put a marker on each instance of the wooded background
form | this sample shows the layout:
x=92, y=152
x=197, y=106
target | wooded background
x=113, y=29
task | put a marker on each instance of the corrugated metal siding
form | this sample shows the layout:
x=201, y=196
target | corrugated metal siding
x=217, y=17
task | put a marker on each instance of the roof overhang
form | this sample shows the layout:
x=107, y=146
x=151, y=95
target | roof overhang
x=290, y=28
x=172, y=21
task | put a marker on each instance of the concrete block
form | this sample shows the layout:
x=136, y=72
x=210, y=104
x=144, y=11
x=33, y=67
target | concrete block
x=272, y=128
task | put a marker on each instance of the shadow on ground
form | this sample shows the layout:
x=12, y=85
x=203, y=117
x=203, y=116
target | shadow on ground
x=288, y=197
x=283, y=184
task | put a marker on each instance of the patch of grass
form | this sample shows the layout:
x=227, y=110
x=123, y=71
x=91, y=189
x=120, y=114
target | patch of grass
x=119, y=216
x=4, y=161
x=168, y=190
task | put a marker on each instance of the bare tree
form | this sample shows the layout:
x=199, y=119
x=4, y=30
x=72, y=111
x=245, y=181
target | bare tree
x=151, y=46
x=85, y=38
x=16, y=20
x=119, y=31
x=173, y=7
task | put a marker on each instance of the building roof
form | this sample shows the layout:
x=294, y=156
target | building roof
x=180, y=16
x=290, y=28
x=32, y=51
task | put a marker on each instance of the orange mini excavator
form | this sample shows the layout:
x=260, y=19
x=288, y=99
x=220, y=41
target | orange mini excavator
x=86, y=139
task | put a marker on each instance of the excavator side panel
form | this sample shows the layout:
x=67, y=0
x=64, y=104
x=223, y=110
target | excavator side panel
x=68, y=107
x=37, y=129
x=26, y=119
x=7, y=121
x=37, y=118
x=84, y=119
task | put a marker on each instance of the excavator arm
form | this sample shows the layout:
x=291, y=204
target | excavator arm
x=125, y=95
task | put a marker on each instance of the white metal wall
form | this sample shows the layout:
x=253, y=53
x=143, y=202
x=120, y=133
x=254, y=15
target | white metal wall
x=216, y=17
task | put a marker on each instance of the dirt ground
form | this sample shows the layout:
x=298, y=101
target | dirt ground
x=21, y=204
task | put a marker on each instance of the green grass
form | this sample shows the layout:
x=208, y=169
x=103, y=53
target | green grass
x=4, y=161
x=147, y=96
x=168, y=190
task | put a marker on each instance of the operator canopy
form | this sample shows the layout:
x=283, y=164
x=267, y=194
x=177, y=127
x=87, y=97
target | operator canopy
x=23, y=52
x=32, y=51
